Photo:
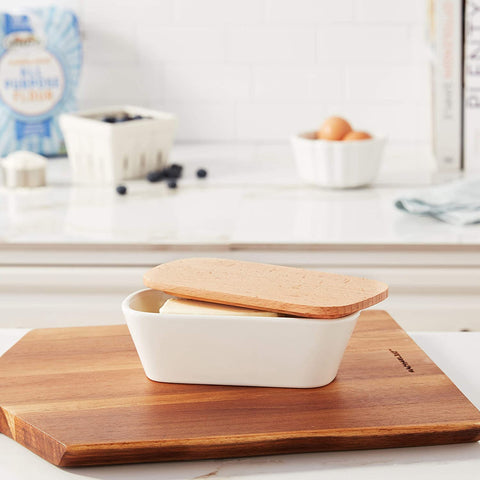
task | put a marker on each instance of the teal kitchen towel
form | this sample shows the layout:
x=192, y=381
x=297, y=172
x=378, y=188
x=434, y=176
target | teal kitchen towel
x=457, y=203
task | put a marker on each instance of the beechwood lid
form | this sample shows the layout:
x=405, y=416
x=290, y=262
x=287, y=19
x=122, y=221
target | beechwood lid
x=292, y=291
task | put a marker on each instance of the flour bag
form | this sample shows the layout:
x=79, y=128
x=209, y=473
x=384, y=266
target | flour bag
x=40, y=61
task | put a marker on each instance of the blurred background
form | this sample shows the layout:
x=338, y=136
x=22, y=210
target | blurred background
x=243, y=78
x=258, y=70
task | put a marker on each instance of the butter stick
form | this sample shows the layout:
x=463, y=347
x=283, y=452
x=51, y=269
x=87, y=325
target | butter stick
x=183, y=306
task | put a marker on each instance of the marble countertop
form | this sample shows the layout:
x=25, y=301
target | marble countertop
x=252, y=196
x=252, y=206
x=455, y=353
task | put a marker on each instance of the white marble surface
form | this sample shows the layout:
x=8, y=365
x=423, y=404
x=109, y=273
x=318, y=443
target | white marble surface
x=456, y=353
x=251, y=197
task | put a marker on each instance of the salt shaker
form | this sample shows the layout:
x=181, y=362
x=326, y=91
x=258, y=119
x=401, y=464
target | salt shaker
x=24, y=169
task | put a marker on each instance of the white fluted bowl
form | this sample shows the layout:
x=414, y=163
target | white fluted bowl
x=337, y=164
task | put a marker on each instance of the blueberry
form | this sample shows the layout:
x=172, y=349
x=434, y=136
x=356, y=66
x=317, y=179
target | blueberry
x=201, y=173
x=123, y=117
x=155, y=176
x=121, y=189
x=109, y=119
x=172, y=184
x=173, y=171
x=177, y=169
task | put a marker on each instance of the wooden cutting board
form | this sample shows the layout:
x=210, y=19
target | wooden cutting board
x=78, y=396
x=273, y=288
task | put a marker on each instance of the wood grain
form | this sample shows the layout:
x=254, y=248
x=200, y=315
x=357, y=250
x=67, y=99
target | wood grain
x=78, y=396
x=273, y=288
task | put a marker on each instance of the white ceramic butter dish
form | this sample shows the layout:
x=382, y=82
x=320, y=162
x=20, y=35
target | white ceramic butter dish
x=301, y=348
x=235, y=350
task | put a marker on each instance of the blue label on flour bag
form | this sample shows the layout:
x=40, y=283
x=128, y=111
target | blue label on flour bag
x=40, y=61
x=23, y=129
x=17, y=23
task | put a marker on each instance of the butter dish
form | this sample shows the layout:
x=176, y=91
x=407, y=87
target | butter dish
x=288, y=350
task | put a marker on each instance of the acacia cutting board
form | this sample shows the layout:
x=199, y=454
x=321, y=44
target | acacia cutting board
x=273, y=288
x=78, y=396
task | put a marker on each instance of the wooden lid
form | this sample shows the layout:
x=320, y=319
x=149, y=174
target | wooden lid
x=273, y=288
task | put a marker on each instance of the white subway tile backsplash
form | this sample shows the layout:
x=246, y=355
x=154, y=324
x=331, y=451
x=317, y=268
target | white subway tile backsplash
x=401, y=11
x=101, y=12
x=385, y=83
x=203, y=121
x=111, y=83
x=181, y=44
x=420, y=49
x=211, y=12
x=153, y=78
x=364, y=43
x=153, y=12
x=207, y=82
x=109, y=43
x=309, y=11
x=127, y=13
x=280, y=83
x=269, y=44
x=259, y=70
x=276, y=122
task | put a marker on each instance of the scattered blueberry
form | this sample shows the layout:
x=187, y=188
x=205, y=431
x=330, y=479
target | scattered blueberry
x=176, y=170
x=201, y=173
x=123, y=118
x=121, y=189
x=172, y=184
x=155, y=176
x=173, y=171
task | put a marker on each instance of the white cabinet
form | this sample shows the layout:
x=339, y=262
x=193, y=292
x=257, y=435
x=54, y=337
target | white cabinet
x=429, y=290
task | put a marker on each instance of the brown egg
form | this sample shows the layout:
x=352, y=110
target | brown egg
x=334, y=128
x=356, y=136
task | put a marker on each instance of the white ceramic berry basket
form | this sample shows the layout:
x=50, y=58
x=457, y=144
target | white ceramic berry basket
x=235, y=350
x=106, y=153
x=337, y=164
